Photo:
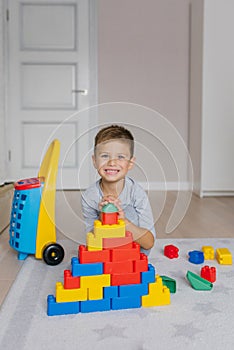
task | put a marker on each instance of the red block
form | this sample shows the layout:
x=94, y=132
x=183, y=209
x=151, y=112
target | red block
x=171, y=251
x=142, y=264
x=208, y=273
x=109, y=218
x=70, y=282
x=118, y=267
x=119, y=242
x=119, y=279
x=86, y=256
x=121, y=254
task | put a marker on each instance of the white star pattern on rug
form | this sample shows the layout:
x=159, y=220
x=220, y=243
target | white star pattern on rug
x=109, y=331
x=187, y=330
x=206, y=308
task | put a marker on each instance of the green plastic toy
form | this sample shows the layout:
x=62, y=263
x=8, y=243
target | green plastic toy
x=169, y=283
x=198, y=282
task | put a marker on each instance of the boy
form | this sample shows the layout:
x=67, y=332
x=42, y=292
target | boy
x=113, y=158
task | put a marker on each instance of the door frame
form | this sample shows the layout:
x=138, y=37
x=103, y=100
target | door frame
x=4, y=95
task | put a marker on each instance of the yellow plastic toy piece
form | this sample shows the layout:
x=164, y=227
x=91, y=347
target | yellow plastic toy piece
x=46, y=232
x=109, y=231
x=158, y=294
x=92, y=242
x=67, y=295
x=95, y=281
x=209, y=253
x=224, y=256
x=95, y=293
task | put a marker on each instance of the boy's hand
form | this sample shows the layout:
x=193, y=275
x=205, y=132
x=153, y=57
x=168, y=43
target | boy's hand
x=115, y=200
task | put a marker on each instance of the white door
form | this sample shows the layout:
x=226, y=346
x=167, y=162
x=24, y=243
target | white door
x=49, y=83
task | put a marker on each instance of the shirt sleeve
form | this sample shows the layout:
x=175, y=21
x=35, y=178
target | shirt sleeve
x=144, y=211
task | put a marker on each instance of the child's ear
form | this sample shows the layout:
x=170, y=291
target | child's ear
x=94, y=161
x=131, y=163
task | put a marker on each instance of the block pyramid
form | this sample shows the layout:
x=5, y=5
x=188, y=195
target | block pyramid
x=109, y=273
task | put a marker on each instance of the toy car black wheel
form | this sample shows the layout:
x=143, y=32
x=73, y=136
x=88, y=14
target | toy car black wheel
x=53, y=254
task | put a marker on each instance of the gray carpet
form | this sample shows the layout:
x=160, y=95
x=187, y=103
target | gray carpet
x=193, y=320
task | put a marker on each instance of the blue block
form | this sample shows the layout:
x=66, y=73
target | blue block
x=196, y=257
x=110, y=292
x=131, y=290
x=67, y=308
x=126, y=303
x=148, y=276
x=24, y=221
x=95, y=305
x=89, y=269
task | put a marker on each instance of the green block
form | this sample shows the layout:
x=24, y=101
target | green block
x=169, y=283
x=109, y=208
x=198, y=282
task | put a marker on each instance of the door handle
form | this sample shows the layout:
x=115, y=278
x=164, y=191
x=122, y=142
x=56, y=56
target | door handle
x=82, y=92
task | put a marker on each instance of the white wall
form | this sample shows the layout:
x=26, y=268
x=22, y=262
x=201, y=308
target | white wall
x=212, y=91
x=143, y=58
x=218, y=97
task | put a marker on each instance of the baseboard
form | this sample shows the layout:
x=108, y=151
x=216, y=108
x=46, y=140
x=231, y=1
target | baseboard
x=217, y=193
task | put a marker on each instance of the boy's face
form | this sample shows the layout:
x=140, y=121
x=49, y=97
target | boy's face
x=113, y=160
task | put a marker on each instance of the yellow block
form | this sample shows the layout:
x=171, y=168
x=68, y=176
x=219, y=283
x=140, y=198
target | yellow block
x=109, y=231
x=95, y=281
x=64, y=295
x=92, y=242
x=95, y=293
x=46, y=231
x=208, y=252
x=158, y=294
x=223, y=256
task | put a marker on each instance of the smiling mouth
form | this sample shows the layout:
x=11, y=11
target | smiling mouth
x=111, y=171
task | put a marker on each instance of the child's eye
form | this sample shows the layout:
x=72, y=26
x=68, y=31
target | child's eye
x=104, y=156
x=121, y=157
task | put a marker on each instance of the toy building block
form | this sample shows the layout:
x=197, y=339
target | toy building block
x=95, y=293
x=118, y=267
x=148, y=276
x=95, y=305
x=209, y=273
x=129, y=302
x=158, y=294
x=93, y=243
x=110, y=292
x=86, y=256
x=120, y=254
x=169, y=283
x=208, y=252
x=109, y=231
x=133, y=290
x=141, y=265
x=95, y=281
x=66, y=295
x=196, y=257
x=118, y=279
x=171, y=251
x=109, y=214
x=224, y=256
x=55, y=309
x=70, y=282
x=197, y=282
x=89, y=269
x=118, y=242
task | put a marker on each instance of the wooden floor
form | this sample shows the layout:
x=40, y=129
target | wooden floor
x=207, y=217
